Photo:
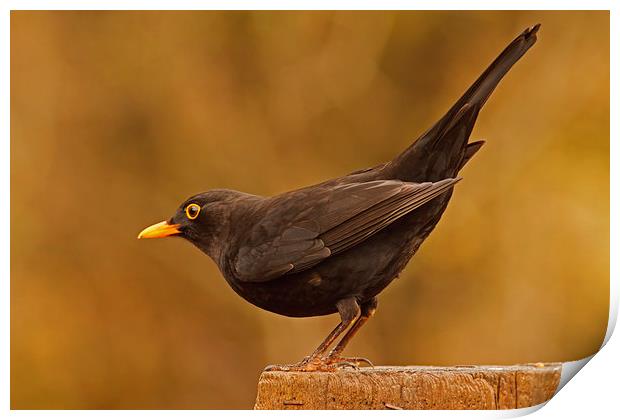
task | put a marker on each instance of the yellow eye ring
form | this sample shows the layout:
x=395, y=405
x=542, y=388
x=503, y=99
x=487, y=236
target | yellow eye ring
x=192, y=211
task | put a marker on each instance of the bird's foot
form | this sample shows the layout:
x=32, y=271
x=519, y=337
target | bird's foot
x=309, y=364
x=321, y=364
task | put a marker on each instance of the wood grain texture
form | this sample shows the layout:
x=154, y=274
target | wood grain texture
x=410, y=387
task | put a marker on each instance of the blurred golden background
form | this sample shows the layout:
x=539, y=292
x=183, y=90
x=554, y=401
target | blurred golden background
x=116, y=117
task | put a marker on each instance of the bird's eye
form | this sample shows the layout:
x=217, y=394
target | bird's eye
x=192, y=211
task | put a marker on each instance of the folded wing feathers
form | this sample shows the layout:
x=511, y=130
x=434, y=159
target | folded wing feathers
x=356, y=212
x=381, y=215
x=350, y=199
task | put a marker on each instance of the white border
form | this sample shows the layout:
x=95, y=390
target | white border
x=593, y=393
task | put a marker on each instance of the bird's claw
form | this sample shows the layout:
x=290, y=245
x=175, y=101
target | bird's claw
x=322, y=364
x=345, y=364
x=353, y=362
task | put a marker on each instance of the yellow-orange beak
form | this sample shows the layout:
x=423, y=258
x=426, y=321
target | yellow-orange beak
x=159, y=230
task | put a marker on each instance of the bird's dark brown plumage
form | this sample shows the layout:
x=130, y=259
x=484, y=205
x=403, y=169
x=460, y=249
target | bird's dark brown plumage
x=334, y=246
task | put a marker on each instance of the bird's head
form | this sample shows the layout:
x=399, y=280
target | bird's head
x=199, y=219
x=186, y=221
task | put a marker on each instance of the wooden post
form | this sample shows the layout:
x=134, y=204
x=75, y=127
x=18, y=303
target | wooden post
x=410, y=387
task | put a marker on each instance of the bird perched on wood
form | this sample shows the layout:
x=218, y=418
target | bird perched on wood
x=334, y=246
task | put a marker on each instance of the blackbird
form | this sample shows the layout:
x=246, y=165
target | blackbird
x=334, y=246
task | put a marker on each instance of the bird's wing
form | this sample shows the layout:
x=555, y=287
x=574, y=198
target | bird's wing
x=302, y=228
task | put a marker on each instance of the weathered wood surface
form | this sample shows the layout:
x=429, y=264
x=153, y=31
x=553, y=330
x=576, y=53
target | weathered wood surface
x=410, y=387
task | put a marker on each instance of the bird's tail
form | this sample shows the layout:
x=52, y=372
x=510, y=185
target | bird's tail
x=443, y=150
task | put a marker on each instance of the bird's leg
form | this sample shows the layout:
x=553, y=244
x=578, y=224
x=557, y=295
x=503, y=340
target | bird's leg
x=367, y=310
x=349, y=311
x=329, y=340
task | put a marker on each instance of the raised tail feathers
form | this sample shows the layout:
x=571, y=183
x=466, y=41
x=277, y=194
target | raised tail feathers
x=443, y=150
